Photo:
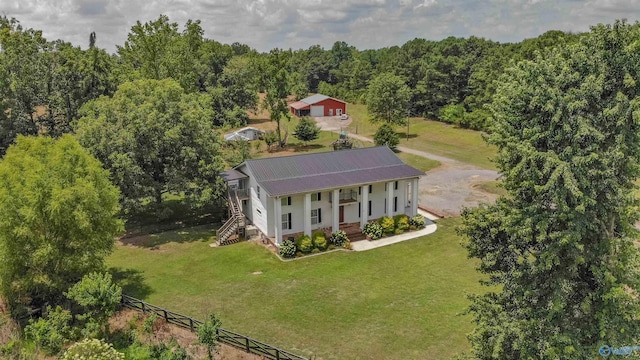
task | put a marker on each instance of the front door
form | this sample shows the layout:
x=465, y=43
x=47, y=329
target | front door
x=341, y=214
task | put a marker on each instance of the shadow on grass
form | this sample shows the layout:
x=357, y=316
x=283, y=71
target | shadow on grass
x=131, y=281
x=403, y=135
x=309, y=147
x=196, y=233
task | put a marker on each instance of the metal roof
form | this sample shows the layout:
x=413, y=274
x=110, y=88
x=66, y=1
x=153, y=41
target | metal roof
x=314, y=99
x=288, y=175
x=232, y=174
x=299, y=105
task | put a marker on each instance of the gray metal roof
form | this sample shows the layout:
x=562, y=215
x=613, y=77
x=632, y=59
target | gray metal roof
x=314, y=99
x=232, y=174
x=334, y=169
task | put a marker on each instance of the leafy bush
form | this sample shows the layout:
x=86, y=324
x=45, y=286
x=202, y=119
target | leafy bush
x=373, y=230
x=149, y=321
x=315, y=251
x=387, y=224
x=304, y=244
x=99, y=297
x=401, y=222
x=417, y=221
x=287, y=249
x=386, y=135
x=319, y=240
x=52, y=331
x=92, y=349
x=339, y=237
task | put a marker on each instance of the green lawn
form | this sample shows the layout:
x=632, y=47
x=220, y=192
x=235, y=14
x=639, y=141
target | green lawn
x=431, y=136
x=492, y=187
x=418, y=162
x=397, y=302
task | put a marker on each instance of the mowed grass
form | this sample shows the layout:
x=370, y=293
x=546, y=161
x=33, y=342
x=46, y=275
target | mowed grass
x=431, y=136
x=418, y=162
x=396, y=302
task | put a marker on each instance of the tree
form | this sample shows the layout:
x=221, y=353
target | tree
x=155, y=139
x=58, y=218
x=99, y=297
x=307, y=130
x=91, y=349
x=386, y=136
x=558, y=250
x=208, y=334
x=277, y=85
x=388, y=99
x=52, y=331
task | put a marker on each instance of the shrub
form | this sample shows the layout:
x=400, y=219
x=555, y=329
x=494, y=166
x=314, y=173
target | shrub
x=373, y=230
x=386, y=136
x=387, y=224
x=304, y=244
x=417, y=221
x=331, y=247
x=401, y=222
x=319, y=240
x=287, y=249
x=315, y=251
x=347, y=245
x=149, y=321
x=339, y=237
x=92, y=349
x=52, y=331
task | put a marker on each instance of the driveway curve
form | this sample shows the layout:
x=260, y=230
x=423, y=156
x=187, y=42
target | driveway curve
x=445, y=190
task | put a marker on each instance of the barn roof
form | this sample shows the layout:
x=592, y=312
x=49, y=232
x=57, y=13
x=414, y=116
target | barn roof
x=310, y=100
x=299, y=105
x=295, y=174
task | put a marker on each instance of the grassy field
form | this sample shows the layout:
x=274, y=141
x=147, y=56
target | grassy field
x=418, y=162
x=492, y=187
x=431, y=136
x=396, y=302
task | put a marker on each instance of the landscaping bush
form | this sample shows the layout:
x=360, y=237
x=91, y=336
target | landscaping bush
x=287, y=249
x=315, y=251
x=304, y=244
x=319, y=240
x=417, y=221
x=339, y=237
x=401, y=222
x=52, y=331
x=387, y=225
x=373, y=230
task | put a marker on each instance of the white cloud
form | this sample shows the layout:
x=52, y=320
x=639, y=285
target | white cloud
x=265, y=24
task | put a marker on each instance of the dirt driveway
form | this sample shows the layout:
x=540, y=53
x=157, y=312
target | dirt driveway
x=446, y=189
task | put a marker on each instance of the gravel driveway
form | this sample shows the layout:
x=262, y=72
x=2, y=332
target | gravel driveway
x=446, y=189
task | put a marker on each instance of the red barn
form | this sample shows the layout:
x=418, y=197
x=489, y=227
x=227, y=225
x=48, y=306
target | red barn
x=318, y=105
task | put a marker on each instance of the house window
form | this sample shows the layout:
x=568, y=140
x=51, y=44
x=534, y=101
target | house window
x=285, y=201
x=316, y=197
x=286, y=221
x=370, y=207
x=316, y=216
x=258, y=191
x=370, y=189
x=395, y=204
x=359, y=210
x=259, y=212
x=385, y=205
x=395, y=186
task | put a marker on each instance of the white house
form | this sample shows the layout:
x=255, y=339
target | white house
x=288, y=195
x=247, y=133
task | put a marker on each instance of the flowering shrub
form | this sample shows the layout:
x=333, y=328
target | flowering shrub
x=373, y=229
x=401, y=222
x=287, y=249
x=417, y=221
x=339, y=237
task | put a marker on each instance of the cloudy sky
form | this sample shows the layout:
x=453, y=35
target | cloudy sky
x=265, y=24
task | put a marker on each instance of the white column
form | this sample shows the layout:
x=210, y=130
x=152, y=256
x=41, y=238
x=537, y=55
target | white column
x=277, y=213
x=364, y=205
x=335, y=201
x=307, y=214
x=414, y=196
x=390, y=199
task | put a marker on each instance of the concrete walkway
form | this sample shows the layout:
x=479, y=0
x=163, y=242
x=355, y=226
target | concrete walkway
x=364, y=245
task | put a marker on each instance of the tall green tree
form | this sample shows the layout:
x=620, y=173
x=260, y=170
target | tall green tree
x=155, y=139
x=558, y=250
x=307, y=130
x=58, y=218
x=388, y=99
x=277, y=85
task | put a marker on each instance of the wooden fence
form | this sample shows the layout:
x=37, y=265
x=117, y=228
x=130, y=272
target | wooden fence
x=224, y=336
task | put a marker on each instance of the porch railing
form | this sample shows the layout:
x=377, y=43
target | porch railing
x=349, y=195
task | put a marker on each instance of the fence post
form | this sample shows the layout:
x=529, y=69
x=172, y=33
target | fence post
x=277, y=354
x=191, y=324
x=143, y=311
x=166, y=318
x=247, y=341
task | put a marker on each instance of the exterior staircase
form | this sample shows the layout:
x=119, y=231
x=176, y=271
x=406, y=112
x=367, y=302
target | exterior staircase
x=231, y=231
